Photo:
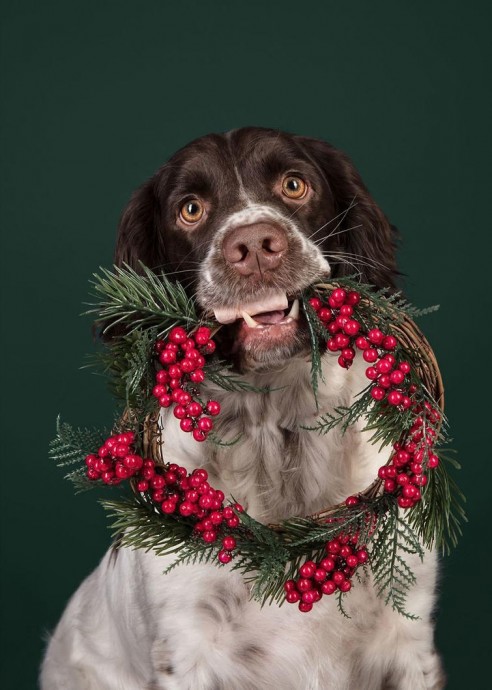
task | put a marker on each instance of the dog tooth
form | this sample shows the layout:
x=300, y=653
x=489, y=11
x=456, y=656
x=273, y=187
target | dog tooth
x=294, y=310
x=249, y=320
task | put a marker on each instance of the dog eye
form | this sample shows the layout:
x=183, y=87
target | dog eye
x=293, y=187
x=192, y=211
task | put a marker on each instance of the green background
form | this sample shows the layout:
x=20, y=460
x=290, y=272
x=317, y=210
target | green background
x=96, y=95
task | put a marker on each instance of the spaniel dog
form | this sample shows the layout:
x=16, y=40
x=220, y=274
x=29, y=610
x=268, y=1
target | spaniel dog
x=246, y=221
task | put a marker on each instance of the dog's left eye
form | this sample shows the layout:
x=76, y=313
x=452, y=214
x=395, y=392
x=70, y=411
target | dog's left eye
x=192, y=211
x=293, y=187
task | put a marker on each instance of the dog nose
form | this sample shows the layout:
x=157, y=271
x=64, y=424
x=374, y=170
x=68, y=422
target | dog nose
x=254, y=248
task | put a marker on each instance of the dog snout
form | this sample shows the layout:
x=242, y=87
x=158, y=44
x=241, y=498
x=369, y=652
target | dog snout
x=255, y=248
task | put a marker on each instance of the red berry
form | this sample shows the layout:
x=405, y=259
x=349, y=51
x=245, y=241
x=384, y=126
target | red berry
x=370, y=355
x=353, y=298
x=209, y=536
x=307, y=569
x=338, y=577
x=405, y=502
x=328, y=587
x=309, y=597
x=402, y=479
x=352, y=501
x=339, y=295
x=175, y=371
x=395, y=397
x=333, y=546
x=316, y=303
x=304, y=584
x=202, y=335
x=404, y=367
x=178, y=335
x=433, y=461
x=304, y=607
x=383, y=366
x=186, y=424
x=194, y=409
x=397, y=377
x=205, y=424
x=213, y=407
x=325, y=314
x=199, y=435
x=224, y=556
x=377, y=393
x=371, y=373
x=197, y=376
x=229, y=543
x=332, y=345
x=167, y=357
x=352, y=561
x=183, y=397
x=345, y=586
x=133, y=462
x=390, y=342
x=292, y=596
x=352, y=327
x=342, y=340
x=361, y=343
x=159, y=390
x=384, y=381
x=179, y=412
x=187, y=366
x=348, y=353
x=162, y=376
x=165, y=400
x=375, y=336
x=320, y=575
x=328, y=564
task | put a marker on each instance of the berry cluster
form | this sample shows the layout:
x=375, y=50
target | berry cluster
x=331, y=573
x=170, y=487
x=182, y=357
x=404, y=475
x=115, y=460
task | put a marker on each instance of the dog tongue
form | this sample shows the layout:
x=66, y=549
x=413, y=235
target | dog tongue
x=271, y=302
x=269, y=317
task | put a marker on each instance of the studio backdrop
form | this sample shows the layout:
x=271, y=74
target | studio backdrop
x=95, y=97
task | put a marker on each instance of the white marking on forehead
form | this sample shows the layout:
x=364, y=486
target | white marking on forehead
x=243, y=194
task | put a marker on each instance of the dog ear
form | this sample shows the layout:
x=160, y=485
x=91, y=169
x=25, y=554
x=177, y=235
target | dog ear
x=363, y=233
x=139, y=238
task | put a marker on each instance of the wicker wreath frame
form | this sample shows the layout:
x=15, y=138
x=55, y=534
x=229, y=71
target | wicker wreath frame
x=409, y=335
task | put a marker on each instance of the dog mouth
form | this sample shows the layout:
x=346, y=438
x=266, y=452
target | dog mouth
x=267, y=322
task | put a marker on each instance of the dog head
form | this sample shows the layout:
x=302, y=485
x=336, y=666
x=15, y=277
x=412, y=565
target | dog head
x=248, y=219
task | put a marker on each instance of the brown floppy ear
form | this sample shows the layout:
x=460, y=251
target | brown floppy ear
x=139, y=237
x=364, y=234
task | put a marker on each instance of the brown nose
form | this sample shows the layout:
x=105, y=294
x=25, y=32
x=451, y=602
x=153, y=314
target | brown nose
x=254, y=248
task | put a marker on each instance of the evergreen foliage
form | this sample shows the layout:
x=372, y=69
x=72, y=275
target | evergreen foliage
x=148, y=306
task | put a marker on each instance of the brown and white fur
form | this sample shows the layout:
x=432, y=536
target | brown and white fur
x=129, y=627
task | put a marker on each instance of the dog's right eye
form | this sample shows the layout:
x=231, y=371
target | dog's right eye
x=192, y=211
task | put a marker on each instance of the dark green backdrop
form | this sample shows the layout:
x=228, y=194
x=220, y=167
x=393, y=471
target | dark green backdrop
x=95, y=96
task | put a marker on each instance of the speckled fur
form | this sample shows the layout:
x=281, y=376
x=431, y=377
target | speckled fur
x=129, y=627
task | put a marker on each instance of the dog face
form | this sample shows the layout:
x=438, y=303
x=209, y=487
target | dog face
x=246, y=221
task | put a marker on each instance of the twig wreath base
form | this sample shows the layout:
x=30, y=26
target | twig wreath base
x=165, y=355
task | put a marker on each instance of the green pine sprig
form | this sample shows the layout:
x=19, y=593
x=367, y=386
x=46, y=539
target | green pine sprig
x=124, y=297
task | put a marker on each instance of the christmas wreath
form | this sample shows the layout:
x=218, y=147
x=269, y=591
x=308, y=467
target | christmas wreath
x=158, y=357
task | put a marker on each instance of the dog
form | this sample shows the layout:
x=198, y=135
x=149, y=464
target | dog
x=245, y=221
